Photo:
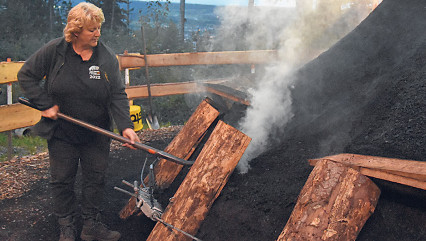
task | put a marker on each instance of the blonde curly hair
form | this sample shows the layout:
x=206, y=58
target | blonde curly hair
x=82, y=15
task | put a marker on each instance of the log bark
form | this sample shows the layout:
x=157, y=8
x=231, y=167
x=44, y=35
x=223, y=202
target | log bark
x=334, y=204
x=185, y=143
x=182, y=146
x=203, y=183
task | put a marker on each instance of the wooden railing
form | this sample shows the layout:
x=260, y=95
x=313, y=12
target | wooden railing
x=14, y=116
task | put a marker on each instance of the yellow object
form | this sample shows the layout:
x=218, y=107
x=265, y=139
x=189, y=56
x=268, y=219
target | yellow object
x=136, y=117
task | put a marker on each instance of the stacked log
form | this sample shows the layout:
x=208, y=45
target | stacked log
x=203, y=184
x=182, y=146
x=334, y=204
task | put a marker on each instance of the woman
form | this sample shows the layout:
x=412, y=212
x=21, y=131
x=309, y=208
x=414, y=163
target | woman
x=82, y=80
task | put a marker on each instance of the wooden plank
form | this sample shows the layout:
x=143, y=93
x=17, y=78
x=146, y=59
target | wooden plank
x=228, y=93
x=412, y=180
x=14, y=117
x=356, y=166
x=380, y=163
x=9, y=71
x=407, y=172
x=393, y=178
x=334, y=204
x=165, y=89
x=203, y=183
x=182, y=146
x=198, y=58
x=17, y=116
x=408, y=175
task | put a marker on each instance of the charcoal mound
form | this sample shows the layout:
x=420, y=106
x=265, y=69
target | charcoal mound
x=365, y=95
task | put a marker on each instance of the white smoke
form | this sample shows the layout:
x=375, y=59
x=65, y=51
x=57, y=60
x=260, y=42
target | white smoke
x=299, y=34
x=270, y=108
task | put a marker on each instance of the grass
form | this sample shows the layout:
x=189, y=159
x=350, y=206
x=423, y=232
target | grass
x=22, y=146
x=30, y=145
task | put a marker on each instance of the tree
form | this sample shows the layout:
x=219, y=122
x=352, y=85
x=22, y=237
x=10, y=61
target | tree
x=168, y=38
x=23, y=25
x=157, y=12
x=127, y=12
x=114, y=15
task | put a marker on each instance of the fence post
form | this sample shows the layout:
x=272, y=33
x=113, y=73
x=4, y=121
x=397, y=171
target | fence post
x=127, y=82
x=9, y=133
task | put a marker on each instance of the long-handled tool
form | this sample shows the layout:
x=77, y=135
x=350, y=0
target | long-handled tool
x=152, y=119
x=114, y=136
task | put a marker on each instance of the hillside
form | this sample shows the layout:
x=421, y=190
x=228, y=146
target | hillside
x=198, y=16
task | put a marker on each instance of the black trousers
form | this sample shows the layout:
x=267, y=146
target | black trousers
x=64, y=160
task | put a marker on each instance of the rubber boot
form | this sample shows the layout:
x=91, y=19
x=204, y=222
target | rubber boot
x=67, y=228
x=94, y=229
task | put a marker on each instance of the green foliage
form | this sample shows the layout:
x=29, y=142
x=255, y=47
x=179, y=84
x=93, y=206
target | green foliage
x=115, y=17
x=26, y=25
x=167, y=124
x=16, y=90
x=120, y=40
x=25, y=145
x=172, y=109
x=202, y=41
x=157, y=12
x=168, y=36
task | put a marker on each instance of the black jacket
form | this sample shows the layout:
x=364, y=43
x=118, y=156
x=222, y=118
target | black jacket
x=48, y=60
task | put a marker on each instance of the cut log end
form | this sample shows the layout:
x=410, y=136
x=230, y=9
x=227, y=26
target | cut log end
x=334, y=204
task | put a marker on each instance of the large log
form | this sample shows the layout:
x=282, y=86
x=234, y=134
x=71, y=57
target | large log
x=185, y=143
x=182, y=146
x=407, y=172
x=334, y=204
x=203, y=183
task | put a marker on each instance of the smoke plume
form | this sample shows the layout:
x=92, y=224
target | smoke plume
x=299, y=33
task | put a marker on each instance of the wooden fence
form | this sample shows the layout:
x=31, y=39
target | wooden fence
x=14, y=115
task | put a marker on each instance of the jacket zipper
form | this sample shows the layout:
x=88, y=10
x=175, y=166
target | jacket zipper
x=50, y=83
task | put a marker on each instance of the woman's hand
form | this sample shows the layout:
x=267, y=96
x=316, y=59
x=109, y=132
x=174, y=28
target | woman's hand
x=129, y=133
x=51, y=113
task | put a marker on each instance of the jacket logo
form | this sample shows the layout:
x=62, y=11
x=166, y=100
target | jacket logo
x=94, y=72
